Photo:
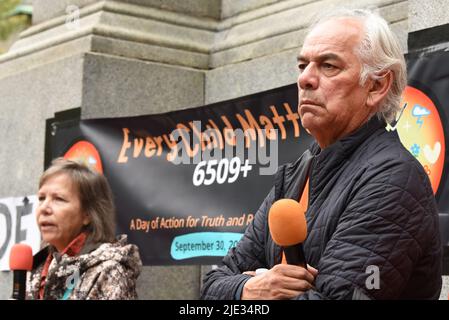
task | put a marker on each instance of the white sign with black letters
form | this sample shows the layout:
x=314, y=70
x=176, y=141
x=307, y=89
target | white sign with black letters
x=17, y=225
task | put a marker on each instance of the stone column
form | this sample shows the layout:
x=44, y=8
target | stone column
x=122, y=58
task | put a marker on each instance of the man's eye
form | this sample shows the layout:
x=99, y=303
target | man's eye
x=329, y=69
x=302, y=66
x=41, y=198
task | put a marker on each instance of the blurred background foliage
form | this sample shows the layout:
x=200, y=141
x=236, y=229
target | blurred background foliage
x=14, y=17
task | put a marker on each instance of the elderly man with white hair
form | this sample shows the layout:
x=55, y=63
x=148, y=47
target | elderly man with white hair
x=371, y=214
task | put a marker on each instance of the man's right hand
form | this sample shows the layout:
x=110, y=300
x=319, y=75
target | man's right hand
x=283, y=281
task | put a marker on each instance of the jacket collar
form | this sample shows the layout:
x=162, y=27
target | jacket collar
x=330, y=159
x=40, y=257
x=348, y=144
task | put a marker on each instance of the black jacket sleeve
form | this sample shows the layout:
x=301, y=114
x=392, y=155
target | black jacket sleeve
x=378, y=245
x=249, y=254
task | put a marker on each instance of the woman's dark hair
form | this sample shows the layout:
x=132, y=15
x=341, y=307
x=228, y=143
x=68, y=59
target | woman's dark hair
x=94, y=193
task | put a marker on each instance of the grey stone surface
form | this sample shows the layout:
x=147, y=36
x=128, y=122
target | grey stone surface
x=47, y=9
x=116, y=87
x=12, y=64
x=231, y=7
x=202, y=8
x=251, y=50
x=149, y=52
x=427, y=14
x=125, y=29
x=5, y=285
x=155, y=32
x=29, y=98
x=37, y=37
x=251, y=76
x=169, y=283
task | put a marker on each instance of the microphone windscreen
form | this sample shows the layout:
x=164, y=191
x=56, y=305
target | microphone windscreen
x=21, y=257
x=287, y=223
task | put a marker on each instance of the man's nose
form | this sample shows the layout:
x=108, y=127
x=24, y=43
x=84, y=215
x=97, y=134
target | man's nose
x=308, y=78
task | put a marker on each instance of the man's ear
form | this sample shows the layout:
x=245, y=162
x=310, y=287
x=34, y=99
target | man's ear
x=379, y=89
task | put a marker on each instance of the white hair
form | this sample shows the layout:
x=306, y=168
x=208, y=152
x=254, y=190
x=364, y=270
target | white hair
x=379, y=52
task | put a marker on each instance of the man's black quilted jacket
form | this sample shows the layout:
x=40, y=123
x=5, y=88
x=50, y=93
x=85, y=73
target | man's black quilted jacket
x=370, y=204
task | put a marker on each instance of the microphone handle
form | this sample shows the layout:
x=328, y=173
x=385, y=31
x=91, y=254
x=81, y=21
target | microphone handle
x=295, y=255
x=19, y=284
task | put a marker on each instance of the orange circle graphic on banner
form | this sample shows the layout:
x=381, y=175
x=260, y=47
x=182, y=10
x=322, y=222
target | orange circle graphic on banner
x=86, y=153
x=421, y=132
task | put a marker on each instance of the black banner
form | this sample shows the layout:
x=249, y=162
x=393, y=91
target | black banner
x=425, y=121
x=187, y=183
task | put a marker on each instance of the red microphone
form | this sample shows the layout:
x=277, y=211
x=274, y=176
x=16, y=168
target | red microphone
x=20, y=261
x=288, y=228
